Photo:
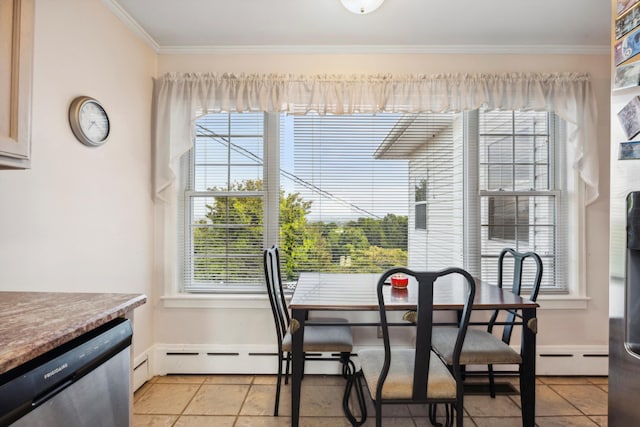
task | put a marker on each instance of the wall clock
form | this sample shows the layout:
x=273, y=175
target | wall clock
x=89, y=121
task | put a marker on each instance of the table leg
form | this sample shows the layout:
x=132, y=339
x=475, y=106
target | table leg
x=528, y=367
x=297, y=362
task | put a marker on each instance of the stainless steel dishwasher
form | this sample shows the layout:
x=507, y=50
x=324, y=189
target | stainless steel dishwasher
x=85, y=382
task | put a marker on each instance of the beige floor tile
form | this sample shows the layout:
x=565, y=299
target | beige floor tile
x=204, y=421
x=266, y=379
x=590, y=399
x=140, y=420
x=246, y=421
x=604, y=387
x=321, y=401
x=578, y=421
x=261, y=400
x=550, y=403
x=497, y=422
x=141, y=390
x=229, y=379
x=564, y=380
x=600, y=420
x=392, y=422
x=419, y=421
x=217, y=400
x=319, y=380
x=599, y=380
x=485, y=406
x=324, y=422
x=180, y=379
x=165, y=399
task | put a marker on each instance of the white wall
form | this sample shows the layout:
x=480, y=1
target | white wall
x=81, y=218
x=566, y=327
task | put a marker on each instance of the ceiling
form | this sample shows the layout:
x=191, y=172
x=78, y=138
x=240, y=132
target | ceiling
x=483, y=26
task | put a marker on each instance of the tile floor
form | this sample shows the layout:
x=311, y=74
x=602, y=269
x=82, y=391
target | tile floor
x=247, y=401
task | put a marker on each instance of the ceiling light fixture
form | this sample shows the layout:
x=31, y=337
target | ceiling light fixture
x=361, y=7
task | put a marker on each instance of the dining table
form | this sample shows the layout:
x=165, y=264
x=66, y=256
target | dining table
x=327, y=292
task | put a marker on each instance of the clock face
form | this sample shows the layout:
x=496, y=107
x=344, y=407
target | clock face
x=89, y=121
x=94, y=122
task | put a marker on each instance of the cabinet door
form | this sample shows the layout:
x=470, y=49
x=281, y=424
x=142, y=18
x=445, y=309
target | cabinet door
x=16, y=69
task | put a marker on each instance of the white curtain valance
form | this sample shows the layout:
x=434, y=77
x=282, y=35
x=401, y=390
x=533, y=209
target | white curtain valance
x=180, y=98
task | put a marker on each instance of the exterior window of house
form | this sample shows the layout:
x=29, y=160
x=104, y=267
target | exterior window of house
x=349, y=193
x=421, y=204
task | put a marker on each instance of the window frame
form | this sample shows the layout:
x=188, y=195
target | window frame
x=575, y=288
x=566, y=278
x=187, y=283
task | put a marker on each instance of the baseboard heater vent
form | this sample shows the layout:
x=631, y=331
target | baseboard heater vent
x=556, y=355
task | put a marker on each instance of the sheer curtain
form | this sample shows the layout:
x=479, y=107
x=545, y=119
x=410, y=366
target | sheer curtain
x=180, y=98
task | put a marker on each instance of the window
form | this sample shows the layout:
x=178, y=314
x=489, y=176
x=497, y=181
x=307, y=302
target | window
x=365, y=192
x=518, y=194
x=224, y=204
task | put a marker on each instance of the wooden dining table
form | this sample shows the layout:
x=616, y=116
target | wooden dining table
x=357, y=292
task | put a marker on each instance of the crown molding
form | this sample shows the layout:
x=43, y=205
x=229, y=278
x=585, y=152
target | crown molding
x=132, y=24
x=389, y=49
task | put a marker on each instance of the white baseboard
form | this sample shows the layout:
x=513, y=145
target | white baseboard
x=573, y=360
x=141, y=371
x=247, y=359
x=231, y=359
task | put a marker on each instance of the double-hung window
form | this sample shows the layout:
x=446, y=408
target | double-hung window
x=224, y=205
x=520, y=173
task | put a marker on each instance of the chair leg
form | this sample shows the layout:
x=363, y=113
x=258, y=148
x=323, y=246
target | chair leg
x=492, y=384
x=378, y=413
x=433, y=409
x=278, y=384
x=459, y=414
x=286, y=369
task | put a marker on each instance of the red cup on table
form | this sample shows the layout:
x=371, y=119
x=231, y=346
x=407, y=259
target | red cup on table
x=399, y=281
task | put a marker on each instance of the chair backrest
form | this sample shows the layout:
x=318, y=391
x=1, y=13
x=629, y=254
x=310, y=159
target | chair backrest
x=516, y=286
x=274, y=290
x=425, y=288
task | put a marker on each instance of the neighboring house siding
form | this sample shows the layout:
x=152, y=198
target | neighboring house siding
x=440, y=162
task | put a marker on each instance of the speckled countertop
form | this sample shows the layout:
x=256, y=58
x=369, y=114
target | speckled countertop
x=32, y=323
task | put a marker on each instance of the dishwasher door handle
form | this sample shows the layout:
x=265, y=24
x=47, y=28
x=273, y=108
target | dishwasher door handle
x=50, y=393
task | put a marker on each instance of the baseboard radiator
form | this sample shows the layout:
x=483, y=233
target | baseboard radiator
x=164, y=359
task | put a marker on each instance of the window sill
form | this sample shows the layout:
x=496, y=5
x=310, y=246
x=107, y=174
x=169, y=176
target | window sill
x=227, y=301
x=563, y=302
x=249, y=301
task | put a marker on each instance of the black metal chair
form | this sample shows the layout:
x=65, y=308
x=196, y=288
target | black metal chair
x=333, y=337
x=483, y=347
x=416, y=375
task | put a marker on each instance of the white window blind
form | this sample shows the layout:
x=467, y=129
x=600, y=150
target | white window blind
x=345, y=194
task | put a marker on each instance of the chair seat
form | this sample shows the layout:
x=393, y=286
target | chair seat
x=334, y=338
x=479, y=348
x=399, y=381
